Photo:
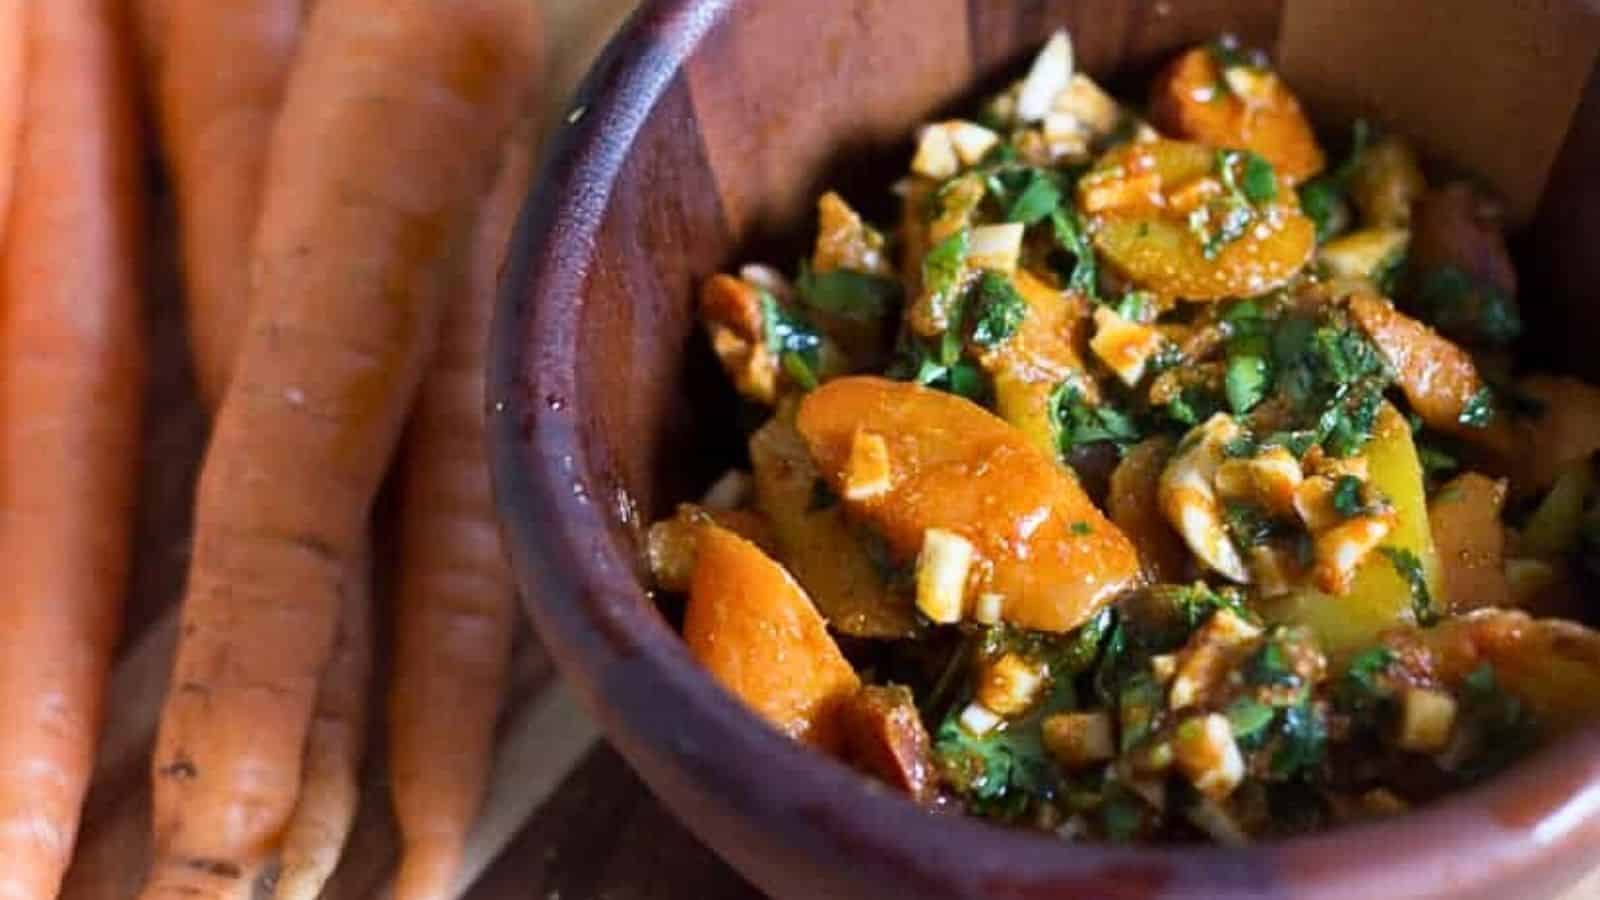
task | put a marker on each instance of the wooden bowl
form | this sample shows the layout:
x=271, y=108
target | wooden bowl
x=699, y=140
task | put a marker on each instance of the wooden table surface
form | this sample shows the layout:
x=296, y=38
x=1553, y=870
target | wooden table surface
x=568, y=820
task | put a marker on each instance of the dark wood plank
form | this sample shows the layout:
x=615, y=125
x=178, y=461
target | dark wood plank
x=603, y=835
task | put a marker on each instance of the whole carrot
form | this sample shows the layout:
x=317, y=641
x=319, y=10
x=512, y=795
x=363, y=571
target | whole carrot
x=221, y=87
x=11, y=82
x=71, y=380
x=330, y=788
x=388, y=136
x=455, y=602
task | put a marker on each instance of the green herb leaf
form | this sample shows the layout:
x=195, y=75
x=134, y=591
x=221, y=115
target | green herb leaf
x=1497, y=726
x=1435, y=462
x=1347, y=497
x=1038, y=199
x=1245, y=382
x=1249, y=719
x=1077, y=423
x=1258, y=181
x=1000, y=310
x=1268, y=666
x=1410, y=568
x=1247, y=524
x=941, y=267
x=1322, y=200
x=1478, y=412
x=793, y=339
x=842, y=292
x=1073, y=238
x=1303, y=742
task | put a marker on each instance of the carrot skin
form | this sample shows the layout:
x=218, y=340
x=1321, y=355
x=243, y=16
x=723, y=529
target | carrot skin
x=12, y=67
x=456, y=604
x=331, y=789
x=387, y=139
x=71, y=384
x=221, y=87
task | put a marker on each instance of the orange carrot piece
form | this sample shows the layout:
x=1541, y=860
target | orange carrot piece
x=1250, y=109
x=71, y=382
x=331, y=788
x=221, y=88
x=12, y=67
x=456, y=603
x=386, y=143
x=755, y=630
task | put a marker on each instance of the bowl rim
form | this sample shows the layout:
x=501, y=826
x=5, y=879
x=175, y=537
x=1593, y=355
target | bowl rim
x=634, y=675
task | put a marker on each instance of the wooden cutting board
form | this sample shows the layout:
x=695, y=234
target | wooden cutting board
x=567, y=819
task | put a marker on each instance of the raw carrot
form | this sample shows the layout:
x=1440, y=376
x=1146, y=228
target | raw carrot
x=71, y=381
x=331, y=790
x=387, y=141
x=221, y=87
x=455, y=602
x=11, y=95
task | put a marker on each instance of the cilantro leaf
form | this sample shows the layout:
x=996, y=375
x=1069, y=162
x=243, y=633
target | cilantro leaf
x=1347, y=496
x=1410, y=568
x=1077, y=423
x=941, y=267
x=1072, y=236
x=1466, y=309
x=842, y=292
x=794, y=340
x=1000, y=310
x=1038, y=199
x=1478, y=411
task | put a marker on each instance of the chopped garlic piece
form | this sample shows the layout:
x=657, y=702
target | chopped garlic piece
x=1207, y=754
x=936, y=154
x=1188, y=498
x=1126, y=347
x=996, y=247
x=978, y=720
x=1313, y=503
x=731, y=491
x=1009, y=685
x=1079, y=740
x=1268, y=480
x=1094, y=109
x=1361, y=254
x=942, y=568
x=1163, y=666
x=768, y=279
x=988, y=609
x=1049, y=76
x=972, y=142
x=1205, y=660
x=1426, y=719
x=866, y=473
x=1340, y=549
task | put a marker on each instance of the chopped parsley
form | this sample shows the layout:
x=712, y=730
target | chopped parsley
x=1082, y=278
x=1082, y=528
x=1000, y=310
x=1302, y=741
x=842, y=292
x=1077, y=423
x=1499, y=726
x=793, y=339
x=1410, y=568
x=1039, y=198
x=1478, y=411
x=1347, y=497
x=1247, y=524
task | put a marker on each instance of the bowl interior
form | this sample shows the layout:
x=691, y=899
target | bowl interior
x=701, y=140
